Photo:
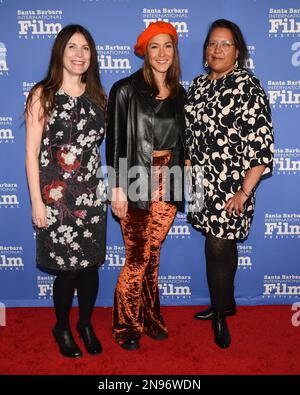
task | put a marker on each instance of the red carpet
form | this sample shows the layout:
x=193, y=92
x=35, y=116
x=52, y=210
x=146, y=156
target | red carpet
x=264, y=341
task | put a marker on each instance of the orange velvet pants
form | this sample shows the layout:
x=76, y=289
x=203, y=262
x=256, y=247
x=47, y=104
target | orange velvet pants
x=136, y=302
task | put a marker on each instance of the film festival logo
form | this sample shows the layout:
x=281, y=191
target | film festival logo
x=176, y=16
x=11, y=258
x=249, y=64
x=284, y=94
x=39, y=24
x=115, y=257
x=179, y=229
x=284, y=22
x=27, y=86
x=282, y=226
x=114, y=59
x=287, y=161
x=3, y=62
x=6, y=131
x=174, y=286
x=281, y=286
x=245, y=258
x=8, y=196
x=45, y=287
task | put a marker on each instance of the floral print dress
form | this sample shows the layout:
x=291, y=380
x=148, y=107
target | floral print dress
x=72, y=186
x=228, y=131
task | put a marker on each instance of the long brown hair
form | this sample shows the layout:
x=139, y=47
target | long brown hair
x=172, y=77
x=53, y=80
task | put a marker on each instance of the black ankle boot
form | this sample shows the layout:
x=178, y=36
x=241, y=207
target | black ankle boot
x=221, y=331
x=208, y=313
x=90, y=340
x=66, y=343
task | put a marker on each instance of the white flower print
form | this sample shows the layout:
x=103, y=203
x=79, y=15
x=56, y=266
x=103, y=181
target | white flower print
x=46, y=141
x=51, y=215
x=84, y=263
x=86, y=233
x=81, y=124
x=75, y=246
x=95, y=219
x=64, y=115
x=73, y=260
x=60, y=260
x=79, y=222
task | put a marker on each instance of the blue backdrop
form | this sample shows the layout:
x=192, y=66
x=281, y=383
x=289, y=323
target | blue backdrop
x=269, y=259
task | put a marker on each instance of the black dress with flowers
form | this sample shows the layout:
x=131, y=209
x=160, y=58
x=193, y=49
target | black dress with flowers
x=72, y=188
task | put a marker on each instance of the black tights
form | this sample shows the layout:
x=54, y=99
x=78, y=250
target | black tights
x=221, y=265
x=87, y=283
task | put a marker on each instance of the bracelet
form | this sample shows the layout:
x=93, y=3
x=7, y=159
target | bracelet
x=248, y=195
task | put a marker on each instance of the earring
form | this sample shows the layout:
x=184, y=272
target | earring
x=206, y=64
x=236, y=64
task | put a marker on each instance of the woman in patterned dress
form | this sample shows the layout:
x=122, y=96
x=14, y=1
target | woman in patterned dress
x=229, y=136
x=64, y=122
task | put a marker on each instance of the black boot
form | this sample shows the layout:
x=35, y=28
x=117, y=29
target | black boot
x=221, y=331
x=131, y=344
x=90, y=340
x=65, y=340
x=208, y=313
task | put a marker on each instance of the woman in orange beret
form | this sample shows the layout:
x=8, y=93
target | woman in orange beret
x=145, y=132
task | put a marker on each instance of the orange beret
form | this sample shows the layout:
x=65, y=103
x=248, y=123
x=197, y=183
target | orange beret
x=152, y=30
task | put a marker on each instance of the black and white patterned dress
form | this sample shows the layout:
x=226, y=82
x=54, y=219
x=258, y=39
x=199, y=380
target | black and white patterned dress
x=228, y=131
x=72, y=191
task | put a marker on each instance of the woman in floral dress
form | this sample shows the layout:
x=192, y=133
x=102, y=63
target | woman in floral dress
x=64, y=122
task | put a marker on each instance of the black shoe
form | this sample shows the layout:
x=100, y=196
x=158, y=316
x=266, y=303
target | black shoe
x=208, y=313
x=221, y=331
x=159, y=336
x=130, y=344
x=66, y=343
x=90, y=340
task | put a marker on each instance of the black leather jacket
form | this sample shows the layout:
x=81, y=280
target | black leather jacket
x=129, y=135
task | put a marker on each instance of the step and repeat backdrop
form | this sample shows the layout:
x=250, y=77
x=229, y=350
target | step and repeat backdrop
x=269, y=270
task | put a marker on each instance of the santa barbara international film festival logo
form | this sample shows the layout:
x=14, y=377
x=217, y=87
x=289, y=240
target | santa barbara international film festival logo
x=284, y=94
x=178, y=17
x=245, y=255
x=45, y=287
x=281, y=286
x=114, y=58
x=115, y=257
x=11, y=258
x=39, y=24
x=26, y=87
x=6, y=130
x=3, y=59
x=284, y=22
x=282, y=225
x=174, y=286
x=8, y=195
x=249, y=63
x=287, y=161
x=180, y=229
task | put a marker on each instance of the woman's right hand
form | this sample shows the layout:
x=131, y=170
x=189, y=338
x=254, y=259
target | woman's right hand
x=119, y=204
x=39, y=214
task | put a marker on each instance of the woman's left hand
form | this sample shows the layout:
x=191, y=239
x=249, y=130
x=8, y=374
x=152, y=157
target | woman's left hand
x=236, y=203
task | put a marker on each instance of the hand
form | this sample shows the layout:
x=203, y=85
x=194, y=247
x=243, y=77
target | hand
x=236, y=203
x=119, y=204
x=39, y=215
